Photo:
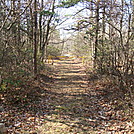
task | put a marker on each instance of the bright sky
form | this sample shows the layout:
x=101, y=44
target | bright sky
x=68, y=12
x=71, y=20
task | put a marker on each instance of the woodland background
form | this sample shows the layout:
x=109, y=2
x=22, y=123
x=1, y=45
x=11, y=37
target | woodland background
x=31, y=32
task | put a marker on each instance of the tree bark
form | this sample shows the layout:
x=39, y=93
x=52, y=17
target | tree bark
x=96, y=34
x=44, y=47
x=35, y=38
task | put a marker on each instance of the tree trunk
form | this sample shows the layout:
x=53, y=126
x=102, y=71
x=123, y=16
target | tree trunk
x=96, y=34
x=44, y=47
x=35, y=38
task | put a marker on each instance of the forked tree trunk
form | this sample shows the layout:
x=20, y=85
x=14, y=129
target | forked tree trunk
x=44, y=46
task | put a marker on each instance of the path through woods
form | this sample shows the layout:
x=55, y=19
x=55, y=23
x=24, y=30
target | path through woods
x=79, y=107
x=69, y=89
x=68, y=102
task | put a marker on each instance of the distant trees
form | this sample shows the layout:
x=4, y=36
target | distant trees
x=109, y=29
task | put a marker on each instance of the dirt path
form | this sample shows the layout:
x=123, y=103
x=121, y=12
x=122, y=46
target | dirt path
x=70, y=79
x=77, y=107
x=68, y=103
x=69, y=90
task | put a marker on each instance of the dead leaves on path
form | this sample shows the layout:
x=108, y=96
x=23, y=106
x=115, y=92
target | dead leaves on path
x=67, y=104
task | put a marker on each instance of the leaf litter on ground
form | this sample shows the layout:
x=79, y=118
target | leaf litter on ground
x=58, y=104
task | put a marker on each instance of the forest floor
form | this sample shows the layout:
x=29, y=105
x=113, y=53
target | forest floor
x=69, y=101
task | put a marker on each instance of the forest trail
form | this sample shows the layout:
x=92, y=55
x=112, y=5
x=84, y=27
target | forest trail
x=69, y=89
x=69, y=79
x=77, y=106
x=68, y=102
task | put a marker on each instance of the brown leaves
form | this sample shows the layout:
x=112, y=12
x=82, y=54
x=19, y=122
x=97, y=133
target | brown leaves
x=67, y=105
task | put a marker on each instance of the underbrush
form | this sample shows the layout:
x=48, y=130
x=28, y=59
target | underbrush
x=20, y=100
x=110, y=91
x=17, y=85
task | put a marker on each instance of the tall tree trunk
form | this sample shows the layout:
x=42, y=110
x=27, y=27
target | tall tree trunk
x=103, y=58
x=35, y=38
x=31, y=26
x=96, y=34
x=44, y=47
x=19, y=22
x=40, y=26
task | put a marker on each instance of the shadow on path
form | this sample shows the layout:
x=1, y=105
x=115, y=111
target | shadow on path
x=64, y=103
x=76, y=107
